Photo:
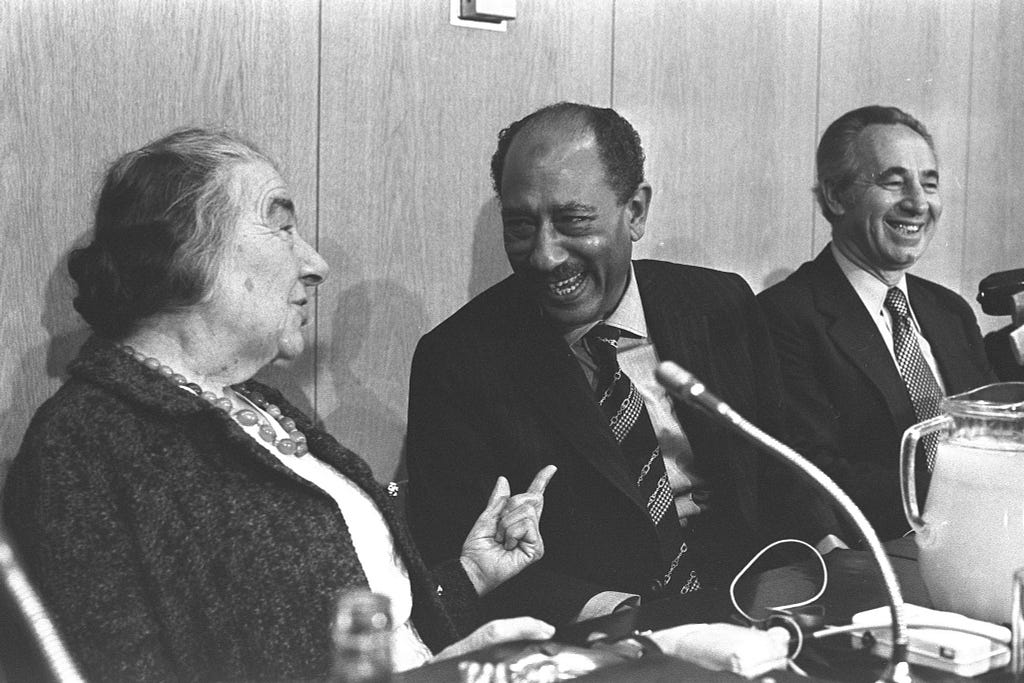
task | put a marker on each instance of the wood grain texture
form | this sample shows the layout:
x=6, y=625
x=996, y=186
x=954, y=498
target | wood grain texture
x=384, y=118
x=993, y=234
x=913, y=54
x=86, y=80
x=411, y=111
x=723, y=94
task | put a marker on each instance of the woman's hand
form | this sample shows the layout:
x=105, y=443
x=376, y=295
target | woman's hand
x=506, y=537
x=499, y=631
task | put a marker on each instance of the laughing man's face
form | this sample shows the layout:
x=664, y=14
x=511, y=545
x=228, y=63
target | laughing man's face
x=566, y=234
x=887, y=218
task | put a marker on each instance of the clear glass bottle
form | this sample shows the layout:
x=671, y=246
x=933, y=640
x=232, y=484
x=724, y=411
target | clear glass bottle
x=361, y=635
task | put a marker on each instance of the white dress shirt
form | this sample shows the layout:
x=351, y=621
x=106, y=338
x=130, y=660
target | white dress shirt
x=871, y=292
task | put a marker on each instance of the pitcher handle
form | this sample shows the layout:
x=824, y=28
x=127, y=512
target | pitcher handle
x=908, y=452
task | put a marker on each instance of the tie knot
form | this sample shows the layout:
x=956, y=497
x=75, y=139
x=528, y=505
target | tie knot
x=602, y=344
x=896, y=302
x=604, y=334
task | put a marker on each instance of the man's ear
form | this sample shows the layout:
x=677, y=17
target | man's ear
x=833, y=199
x=637, y=207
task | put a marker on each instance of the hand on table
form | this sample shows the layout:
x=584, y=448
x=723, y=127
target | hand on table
x=506, y=537
x=498, y=631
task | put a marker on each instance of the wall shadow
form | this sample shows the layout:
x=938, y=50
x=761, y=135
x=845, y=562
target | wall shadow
x=376, y=326
x=489, y=264
x=44, y=366
x=680, y=249
x=774, y=277
x=66, y=330
x=674, y=247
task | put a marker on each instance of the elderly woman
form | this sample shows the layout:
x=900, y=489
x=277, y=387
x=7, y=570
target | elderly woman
x=184, y=522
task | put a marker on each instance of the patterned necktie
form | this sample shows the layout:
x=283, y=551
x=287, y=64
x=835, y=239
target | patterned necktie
x=627, y=415
x=925, y=392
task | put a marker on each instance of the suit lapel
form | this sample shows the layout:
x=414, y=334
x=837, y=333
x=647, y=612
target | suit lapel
x=856, y=336
x=679, y=332
x=682, y=332
x=550, y=378
x=942, y=330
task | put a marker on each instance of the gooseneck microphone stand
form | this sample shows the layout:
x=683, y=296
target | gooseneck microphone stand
x=684, y=386
x=35, y=616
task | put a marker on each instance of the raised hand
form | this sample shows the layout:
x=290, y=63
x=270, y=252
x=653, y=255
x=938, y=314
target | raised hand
x=506, y=536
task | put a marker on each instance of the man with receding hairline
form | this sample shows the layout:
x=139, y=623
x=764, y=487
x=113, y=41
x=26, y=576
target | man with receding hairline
x=556, y=363
x=866, y=348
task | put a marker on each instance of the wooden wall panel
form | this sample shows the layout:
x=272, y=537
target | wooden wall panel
x=993, y=231
x=723, y=95
x=914, y=54
x=85, y=80
x=410, y=114
x=385, y=130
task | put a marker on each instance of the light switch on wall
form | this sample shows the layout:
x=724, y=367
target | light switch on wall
x=488, y=10
x=492, y=15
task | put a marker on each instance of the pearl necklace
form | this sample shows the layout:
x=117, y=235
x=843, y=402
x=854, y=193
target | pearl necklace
x=293, y=444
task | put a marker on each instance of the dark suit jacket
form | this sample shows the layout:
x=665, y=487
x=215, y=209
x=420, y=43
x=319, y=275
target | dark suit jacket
x=847, y=404
x=495, y=390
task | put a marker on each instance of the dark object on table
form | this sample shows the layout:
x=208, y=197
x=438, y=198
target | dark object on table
x=997, y=292
x=1002, y=293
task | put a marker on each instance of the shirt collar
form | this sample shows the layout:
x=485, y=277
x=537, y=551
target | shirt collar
x=869, y=288
x=627, y=316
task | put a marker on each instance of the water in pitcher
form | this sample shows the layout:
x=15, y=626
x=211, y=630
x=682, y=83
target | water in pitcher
x=974, y=540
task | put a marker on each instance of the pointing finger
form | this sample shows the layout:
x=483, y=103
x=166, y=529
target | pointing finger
x=541, y=481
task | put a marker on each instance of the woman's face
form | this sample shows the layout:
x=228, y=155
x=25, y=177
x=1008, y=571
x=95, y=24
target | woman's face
x=261, y=294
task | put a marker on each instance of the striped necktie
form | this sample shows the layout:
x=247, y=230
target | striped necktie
x=924, y=390
x=631, y=425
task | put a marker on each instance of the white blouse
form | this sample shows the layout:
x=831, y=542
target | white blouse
x=374, y=544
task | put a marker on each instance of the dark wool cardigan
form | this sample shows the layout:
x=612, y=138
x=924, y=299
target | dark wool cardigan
x=169, y=545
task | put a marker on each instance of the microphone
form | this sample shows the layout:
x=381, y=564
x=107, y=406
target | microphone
x=1002, y=293
x=685, y=387
x=37, y=620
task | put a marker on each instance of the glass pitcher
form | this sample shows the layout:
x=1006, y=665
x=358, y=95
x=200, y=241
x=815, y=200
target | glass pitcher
x=970, y=535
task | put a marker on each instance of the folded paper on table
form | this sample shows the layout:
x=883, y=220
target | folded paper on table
x=726, y=647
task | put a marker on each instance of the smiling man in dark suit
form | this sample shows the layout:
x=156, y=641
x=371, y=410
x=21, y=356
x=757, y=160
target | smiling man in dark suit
x=866, y=348
x=555, y=365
